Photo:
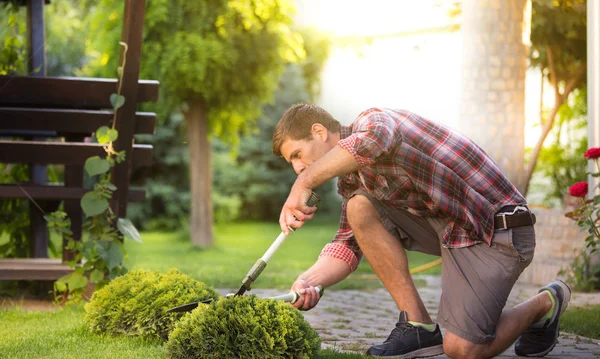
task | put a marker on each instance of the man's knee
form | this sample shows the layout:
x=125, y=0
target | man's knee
x=361, y=212
x=458, y=348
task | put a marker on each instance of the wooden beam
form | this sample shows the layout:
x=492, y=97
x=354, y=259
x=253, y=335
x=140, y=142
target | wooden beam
x=67, y=92
x=36, y=63
x=15, y=119
x=37, y=38
x=56, y=192
x=132, y=35
x=33, y=269
x=64, y=152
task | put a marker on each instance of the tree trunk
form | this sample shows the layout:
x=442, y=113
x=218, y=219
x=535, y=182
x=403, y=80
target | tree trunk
x=200, y=174
x=493, y=81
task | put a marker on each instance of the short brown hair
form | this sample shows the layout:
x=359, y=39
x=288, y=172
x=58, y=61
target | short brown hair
x=297, y=121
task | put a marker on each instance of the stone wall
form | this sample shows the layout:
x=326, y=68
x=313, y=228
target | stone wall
x=557, y=240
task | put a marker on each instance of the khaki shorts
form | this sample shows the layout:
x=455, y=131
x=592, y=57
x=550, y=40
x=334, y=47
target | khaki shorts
x=476, y=280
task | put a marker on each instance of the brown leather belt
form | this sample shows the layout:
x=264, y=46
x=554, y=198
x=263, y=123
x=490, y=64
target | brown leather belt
x=513, y=216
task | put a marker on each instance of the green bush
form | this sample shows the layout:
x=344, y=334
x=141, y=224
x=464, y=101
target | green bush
x=135, y=304
x=243, y=327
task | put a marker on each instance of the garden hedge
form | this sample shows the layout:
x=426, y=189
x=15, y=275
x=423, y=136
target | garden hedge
x=243, y=327
x=135, y=303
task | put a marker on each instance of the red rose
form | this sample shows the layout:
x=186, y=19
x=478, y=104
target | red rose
x=592, y=153
x=579, y=189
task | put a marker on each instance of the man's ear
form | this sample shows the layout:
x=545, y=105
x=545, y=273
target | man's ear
x=319, y=131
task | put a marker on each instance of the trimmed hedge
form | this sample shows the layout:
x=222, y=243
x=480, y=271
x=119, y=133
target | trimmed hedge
x=243, y=327
x=135, y=303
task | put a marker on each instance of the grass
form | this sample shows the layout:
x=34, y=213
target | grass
x=239, y=245
x=63, y=334
x=583, y=321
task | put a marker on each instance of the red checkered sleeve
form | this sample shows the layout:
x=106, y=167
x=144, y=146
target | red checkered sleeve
x=373, y=134
x=339, y=251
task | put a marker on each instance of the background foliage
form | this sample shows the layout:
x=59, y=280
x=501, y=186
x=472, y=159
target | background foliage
x=561, y=163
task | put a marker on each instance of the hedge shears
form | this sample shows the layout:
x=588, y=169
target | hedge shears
x=257, y=269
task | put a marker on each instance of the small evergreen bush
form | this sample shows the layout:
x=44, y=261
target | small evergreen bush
x=243, y=327
x=135, y=303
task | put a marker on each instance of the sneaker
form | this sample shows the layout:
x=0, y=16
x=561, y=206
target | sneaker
x=409, y=341
x=541, y=337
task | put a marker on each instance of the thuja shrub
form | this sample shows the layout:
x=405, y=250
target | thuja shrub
x=243, y=327
x=136, y=303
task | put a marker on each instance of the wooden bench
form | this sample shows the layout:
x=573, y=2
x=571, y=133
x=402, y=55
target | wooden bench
x=48, y=120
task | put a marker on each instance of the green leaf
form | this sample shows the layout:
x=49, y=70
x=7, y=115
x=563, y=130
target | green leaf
x=106, y=135
x=96, y=166
x=89, y=249
x=93, y=205
x=114, y=255
x=60, y=286
x=76, y=280
x=111, y=186
x=96, y=276
x=117, y=101
x=128, y=229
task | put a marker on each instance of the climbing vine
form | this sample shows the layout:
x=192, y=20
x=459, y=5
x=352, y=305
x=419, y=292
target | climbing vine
x=97, y=258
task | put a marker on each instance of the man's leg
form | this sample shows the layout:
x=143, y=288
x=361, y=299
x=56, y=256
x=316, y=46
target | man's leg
x=386, y=256
x=476, y=282
x=413, y=335
x=511, y=324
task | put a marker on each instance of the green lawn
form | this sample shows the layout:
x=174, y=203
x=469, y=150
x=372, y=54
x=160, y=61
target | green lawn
x=239, y=245
x=583, y=321
x=62, y=334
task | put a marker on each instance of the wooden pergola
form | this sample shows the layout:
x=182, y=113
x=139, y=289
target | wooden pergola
x=37, y=107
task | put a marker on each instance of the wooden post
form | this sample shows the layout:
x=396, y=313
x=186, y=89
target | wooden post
x=38, y=174
x=133, y=26
x=37, y=37
x=73, y=178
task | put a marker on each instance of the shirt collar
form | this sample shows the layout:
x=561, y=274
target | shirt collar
x=345, y=132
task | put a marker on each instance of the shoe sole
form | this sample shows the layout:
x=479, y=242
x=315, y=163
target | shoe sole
x=420, y=353
x=566, y=298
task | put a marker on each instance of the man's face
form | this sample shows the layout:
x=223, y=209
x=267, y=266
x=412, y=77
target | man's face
x=303, y=153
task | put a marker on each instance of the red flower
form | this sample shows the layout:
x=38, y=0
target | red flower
x=579, y=189
x=592, y=153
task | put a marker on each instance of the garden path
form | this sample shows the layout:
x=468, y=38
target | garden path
x=344, y=319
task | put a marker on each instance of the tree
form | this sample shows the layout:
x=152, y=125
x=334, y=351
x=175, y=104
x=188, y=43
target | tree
x=559, y=46
x=493, y=86
x=222, y=59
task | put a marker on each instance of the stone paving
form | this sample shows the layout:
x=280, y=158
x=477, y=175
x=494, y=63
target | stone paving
x=344, y=321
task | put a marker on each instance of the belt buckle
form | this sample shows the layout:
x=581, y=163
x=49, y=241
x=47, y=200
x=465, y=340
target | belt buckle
x=503, y=215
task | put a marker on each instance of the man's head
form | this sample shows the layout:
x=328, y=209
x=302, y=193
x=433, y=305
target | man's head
x=304, y=134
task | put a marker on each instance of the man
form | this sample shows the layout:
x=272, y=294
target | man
x=409, y=183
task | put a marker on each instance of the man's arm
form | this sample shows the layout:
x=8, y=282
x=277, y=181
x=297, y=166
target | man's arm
x=327, y=271
x=334, y=163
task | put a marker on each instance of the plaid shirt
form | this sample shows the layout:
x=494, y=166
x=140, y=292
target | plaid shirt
x=425, y=168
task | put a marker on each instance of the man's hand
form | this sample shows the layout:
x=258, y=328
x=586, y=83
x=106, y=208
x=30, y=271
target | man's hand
x=308, y=295
x=295, y=211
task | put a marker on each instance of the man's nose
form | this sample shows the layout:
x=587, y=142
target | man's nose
x=298, y=167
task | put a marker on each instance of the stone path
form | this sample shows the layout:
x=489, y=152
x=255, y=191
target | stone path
x=344, y=321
